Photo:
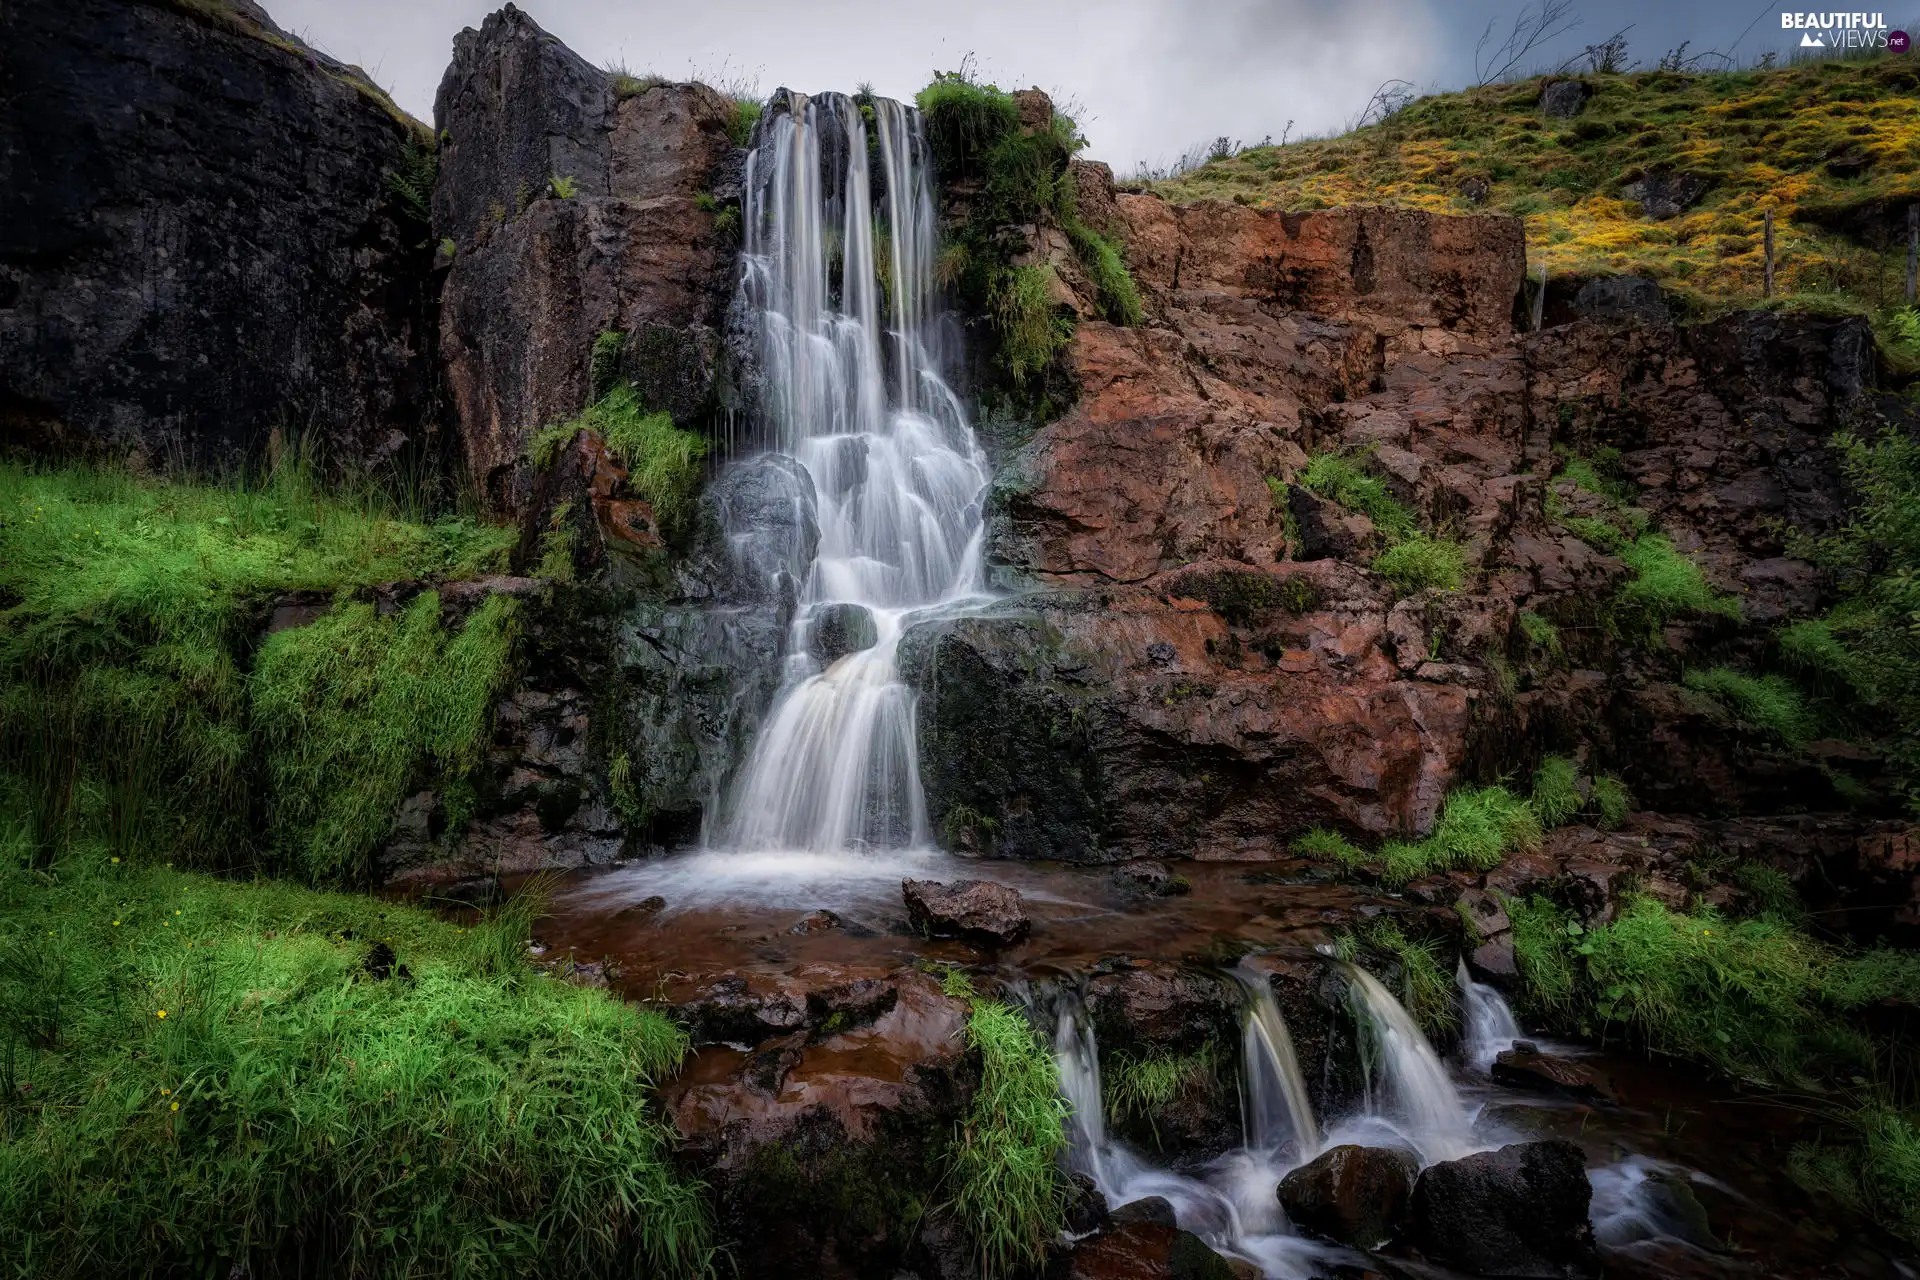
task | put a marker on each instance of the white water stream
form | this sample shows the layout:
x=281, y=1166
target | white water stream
x=848, y=326
x=1491, y=1029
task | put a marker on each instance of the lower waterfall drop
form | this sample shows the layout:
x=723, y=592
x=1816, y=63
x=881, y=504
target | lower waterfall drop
x=1420, y=1095
x=1491, y=1027
x=1277, y=1110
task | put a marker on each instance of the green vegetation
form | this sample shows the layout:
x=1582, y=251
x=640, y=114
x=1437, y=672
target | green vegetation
x=1423, y=561
x=1008, y=1192
x=353, y=710
x=663, y=462
x=1556, y=792
x=1324, y=845
x=1611, y=802
x=1768, y=703
x=1540, y=631
x=603, y=365
x=199, y=1073
x=1025, y=178
x=1874, y=1169
x=1477, y=827
x=1823, y=145
x=746, y=114
x=1666, y=585
x=1137, y=1086
x=1862, y=660
x=562, y=188
x=1426, y=985
x=1340, y=478
x=133, y=608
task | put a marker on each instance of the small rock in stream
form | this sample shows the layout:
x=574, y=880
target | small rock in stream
x=1351, y=1194
x=1525, y=1067
x=976, y=911
x=1518, y=1211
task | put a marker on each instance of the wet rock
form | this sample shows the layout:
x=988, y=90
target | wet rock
x=1328, y=531
x=1665, y=194
x=1634, y=298
x=840, y=629
x=1086, y=1208
x=1563, y=99
x=1518, y=1211
x=643, y=909
x=1161, y=1005
x=976, y=911
x=1151, y=878
x=732, y=1010
x=1525, y=1067
x=1146, y=1209
x=1147, y=1250
x=822, y=921
x=823, y=1148
x=1354, y=1195
x=769, y=508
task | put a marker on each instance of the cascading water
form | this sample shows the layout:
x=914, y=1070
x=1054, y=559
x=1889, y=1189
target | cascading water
x=1274, y=1092
x=1420, y=1094
x=1491, y=1027
x=896, y=472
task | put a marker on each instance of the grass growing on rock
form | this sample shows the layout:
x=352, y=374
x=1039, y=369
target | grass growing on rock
x=1340, y=478
x=132, y=610
x=201, y=1073
x=1421, y=562
x=1008, y=1193
x=1325, y=845
x=1556, y=792
x=1426, y=986
x=352, y=710
x=1769, y=703
x=1764, y=139
x=1477, y=827
x=1666, y=585
x=1137, y=1086
x=663, y=462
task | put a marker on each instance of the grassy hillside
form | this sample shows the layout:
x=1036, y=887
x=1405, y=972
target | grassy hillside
x=1832, y=147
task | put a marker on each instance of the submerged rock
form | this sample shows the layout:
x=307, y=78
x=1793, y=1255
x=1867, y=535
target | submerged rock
x=1149, y=1250
x=976, y=911
x=1525, y=1067
x=1518, y=1211
x=1354, y=1195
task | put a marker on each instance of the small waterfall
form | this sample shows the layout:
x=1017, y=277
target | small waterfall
x=1491, y=1028
x=1273, y=1092
x=1422, y=1095
x=893, y=463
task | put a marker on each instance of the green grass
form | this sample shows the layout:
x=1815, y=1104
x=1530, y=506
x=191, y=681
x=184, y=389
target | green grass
x=1032, y=325
x=1666, y=585
x=1769, y=703
x=1119, y=296
x=1611, y=802
x=1477, y=827
x=1138, y=1086
x=1421, y=562
x=746, y=114
x=291, y=1113
x=1874, y=1168
x=133, y=610
x=1761, y=137
x=1427, y=987
x=1324, y=845
x=1540, y=631
x=546, y=444
x=1009, y=1195
x=964, y=118
x=1340, y=478
x=354, y=711
x=1556, y=792
x=664, y=463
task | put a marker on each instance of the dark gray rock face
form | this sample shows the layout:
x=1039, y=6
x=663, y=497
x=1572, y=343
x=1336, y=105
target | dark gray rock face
x=1518, y=1211
x=1633, y=298
x=1354, y=1195
x=1563, y=99
x=1665, y=195
x=977, y=911
x=768, y=509
x=537, y=276
x=837, y=630
x=201, y=242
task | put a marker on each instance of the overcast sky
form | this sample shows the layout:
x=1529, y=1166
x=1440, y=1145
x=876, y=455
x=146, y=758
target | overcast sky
x=1151, y=77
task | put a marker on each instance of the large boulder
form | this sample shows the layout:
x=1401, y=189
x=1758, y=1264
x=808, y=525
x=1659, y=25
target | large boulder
x=1353, y=1195
x=206, y=239
x=976, y=911
x=1149, y=1250
x=1518, y=1211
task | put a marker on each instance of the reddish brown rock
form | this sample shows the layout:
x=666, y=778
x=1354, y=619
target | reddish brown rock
x=1353, y=1195
x=1525, y=1067
x=976, y=911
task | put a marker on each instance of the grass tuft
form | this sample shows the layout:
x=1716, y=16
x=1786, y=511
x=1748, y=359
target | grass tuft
x=1137, y=1087
x=1666, y=585
x=1339, y=478
x=1421, y=562
x=1768, y=703
x=1556, y=792
x=1426, y=984
x=1009, y=1195
x=1611, y=802
x=1477, y=827
x=1032, y=325
x=1325, y=845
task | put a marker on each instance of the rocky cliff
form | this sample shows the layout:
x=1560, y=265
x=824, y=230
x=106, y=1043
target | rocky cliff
x=206, y=239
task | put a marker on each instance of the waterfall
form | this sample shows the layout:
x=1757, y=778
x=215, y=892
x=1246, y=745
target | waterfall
x=1491, y=1028
x=895, y=469
x=1421, y=1093
x=1274, y=1094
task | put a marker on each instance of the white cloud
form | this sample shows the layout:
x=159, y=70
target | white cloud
x=1152, y=77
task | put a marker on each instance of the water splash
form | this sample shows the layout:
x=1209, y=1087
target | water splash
x=1419, y=1094
x=1491, y=1026
x=895, y=469
x=1276, y=1110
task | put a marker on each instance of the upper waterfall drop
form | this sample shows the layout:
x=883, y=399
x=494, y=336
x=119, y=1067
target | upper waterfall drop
x=853, y=360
